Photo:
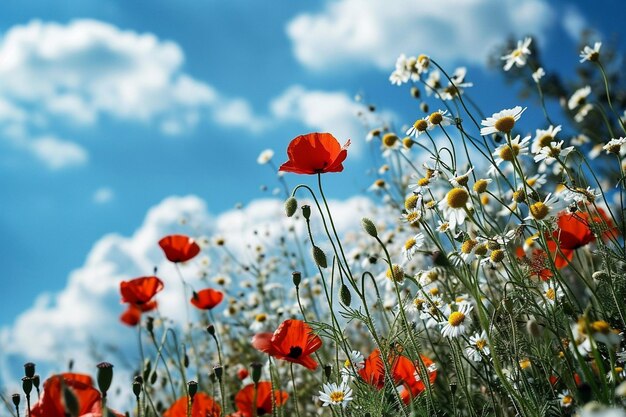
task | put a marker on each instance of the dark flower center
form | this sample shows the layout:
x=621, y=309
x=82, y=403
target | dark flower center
x=295, y=352
x=260, y=411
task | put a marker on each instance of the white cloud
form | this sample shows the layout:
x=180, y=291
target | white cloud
x=103, y=195
x=327, y=111
x=375, y=32
x=573, y=22
x=57, y=153
x=85, y=313
x=76, y=73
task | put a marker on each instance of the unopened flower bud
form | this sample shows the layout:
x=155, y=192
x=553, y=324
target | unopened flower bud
x=344, y=295
x=192, y=388
x=211, y=329
x=136, y=388
x=150, y=324
x=36, y=382
x=27, y=385
x=153, y=377
x=16, y=399
x=319, y=257
x=306, y=211
x=147, y=369
x=297, y=278
x=219, y=371
x=291, y=205
x=369, y=227
x=29, y=369
x=256, y=371
x=328, y=372
x=105, y=376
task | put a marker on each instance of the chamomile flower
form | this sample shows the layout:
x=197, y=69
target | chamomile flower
x=581, y=195
x=457, y=322
x=391, y=277
x=443, y=227
x=551, y=293
x=538, y=75
x=480, y=186
x=519, y=55
x=433, y=82
x=614, y=146
x=419, y=127
x=508, y=152
x=433, y=311
x=590, y=54
x=355, y=362
x=439, y=118
x=548, y=154
x=583, y=112
x=336, y=394
x=579, y=97
x=461, y=180
x=455, y=88
x=478, y=347
x=565, y=399
x=542, y=209
x=265, y=157
x=537, y=181
x=412, y=245
x=502, y=122
x=454, y=206
x=378, y=185
x=544, y=137
x=412, y=216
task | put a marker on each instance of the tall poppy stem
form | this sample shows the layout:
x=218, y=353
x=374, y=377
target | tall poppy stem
x=295, y=390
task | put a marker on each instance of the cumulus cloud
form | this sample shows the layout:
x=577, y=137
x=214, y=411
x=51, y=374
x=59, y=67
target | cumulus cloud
x=57, y=153
x=375, y=32
x=327, y=111
x=103, y=195
x=76, y=73
x=83, y=317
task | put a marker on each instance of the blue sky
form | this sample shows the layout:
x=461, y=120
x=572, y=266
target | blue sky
x=107, y=108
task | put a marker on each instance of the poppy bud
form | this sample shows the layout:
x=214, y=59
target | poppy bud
x=320, y=257
x=29, y=369
x=192, y=388
x=369, y=227
x=291, y=205
x=105, y=376
x=70, y=402
x=27, y=385
x=297, y=278
x=211, y=329
x=36, y=382
x=137, y=388
x=256, y=371
x=153, y=377
x=186, y=360
x=219, y=371
x=147, y=368
x=16, y=400
x=150, y=324
x=328, y=371
x=344, y=295
x=306, y=211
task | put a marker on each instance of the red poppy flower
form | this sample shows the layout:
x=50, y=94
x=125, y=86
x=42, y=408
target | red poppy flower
x=293, y=341
x=537, y=262
x=207, y=299
x=179, y=248
x=51, y=403
x=403, y=371
x=244, y=400
x=132, y=315
x=203, y=406
x=140, y=290
x=315, y=153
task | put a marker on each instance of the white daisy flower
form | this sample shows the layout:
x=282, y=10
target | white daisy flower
x=538, y=74
x=614, y=146
x=508, y=152
x=548, y=154
x=579, y=97
x=478, y=347
x=581, y=195
x=503, y=121
x=336, y=394
x=412, y=245
x=442, y=227
x=457, y=86
x=433, y=310
x=265, y=157
x=580, y=140
x=537, y=181
x=517, y=56
x=439, y=118
x=378, y=185
x=590, y=54
x=565, y=399
x=412, y=216
x=355, y=362
x=541, y=209
x=461, y=180
x=583, y=112
x=454, y=206
x=544, y=137
x=390, y=277
x=433, y=82
x=457, y=322
x=418, y=127
x=551, y=294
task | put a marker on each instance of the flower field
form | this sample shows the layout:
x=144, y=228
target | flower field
x=488, y=279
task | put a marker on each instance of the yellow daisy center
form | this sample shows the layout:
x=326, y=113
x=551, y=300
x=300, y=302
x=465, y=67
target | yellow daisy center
x=525, y=363
x=407, y=142
x=418, y=303
x=600, y=326
x=435, y=118
x=497, y=256
x=484, y=199
x=412, y=217
x=480, y=186
x=395, y=273
x=480, y=344
x=519, y=196
x=462, y=180
x=508, y=153
x=422, y=182
x=261, y=317
x=505, y=124
x=434, y=291
x=545, y=140
x=567, y=400
x=550, y=294
x=456, y=318
x=411, y=202
x=481, y=250
x=390, y=139
x=457, y=198
x=539, y=210
x=409, y=244
x=420, y=125
x=531, y=181
x=379, y=183
x=337, y=396
x=468, y=245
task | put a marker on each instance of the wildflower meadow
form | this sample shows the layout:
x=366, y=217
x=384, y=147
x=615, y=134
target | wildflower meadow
x=486, y=278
